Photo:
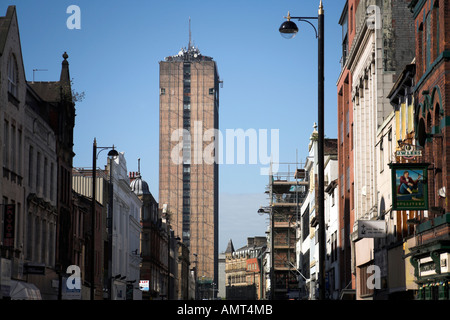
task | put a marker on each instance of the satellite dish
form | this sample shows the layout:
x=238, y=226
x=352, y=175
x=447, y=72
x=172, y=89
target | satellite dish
x=441, y=192
x=421, y=134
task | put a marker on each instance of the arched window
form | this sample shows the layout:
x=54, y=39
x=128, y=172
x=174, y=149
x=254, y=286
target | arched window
x=12, y=75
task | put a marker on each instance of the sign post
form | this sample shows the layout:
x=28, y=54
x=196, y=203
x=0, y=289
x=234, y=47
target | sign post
x=409, y=186
x=371, y=228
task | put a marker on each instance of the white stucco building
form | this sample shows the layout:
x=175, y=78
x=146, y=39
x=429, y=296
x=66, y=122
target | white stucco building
x=126, y=232
x=307, y=232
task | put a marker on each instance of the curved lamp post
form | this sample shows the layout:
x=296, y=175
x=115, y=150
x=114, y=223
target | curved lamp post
x=111, y=155
x=269, y=211
x=288, y=30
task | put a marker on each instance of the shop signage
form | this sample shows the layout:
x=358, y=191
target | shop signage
x=409, y=186
x=371, y=228
x=144, y=285
x=8, y=226
x=34, y=268
x=408, y=152
x=427, y=266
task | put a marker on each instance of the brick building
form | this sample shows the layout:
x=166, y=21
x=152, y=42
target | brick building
x=345, y=152
x=188, y=182
x=244, y=279
x=381, y=47
x=429, y=250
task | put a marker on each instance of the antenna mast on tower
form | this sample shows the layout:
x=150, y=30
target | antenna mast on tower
x=189, y=46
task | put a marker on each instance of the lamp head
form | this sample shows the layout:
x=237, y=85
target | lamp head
x=113, y=154
x=288, y=29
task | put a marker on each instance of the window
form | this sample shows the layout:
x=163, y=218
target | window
x=38, y=175
x=6, y=144
x=347, y=122
x=19, y=147
x=29, y=235
x=381, y=155
x=52, y=185
x=347, y=178
x=332, y=199
x=13, y=148
x=211, y=91
x=30, y=166
x=344, y=24
x=12, y=75
x=305, y=224
x=351, y=18
x=45, y=176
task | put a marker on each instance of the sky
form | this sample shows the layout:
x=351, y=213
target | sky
x=269, y=83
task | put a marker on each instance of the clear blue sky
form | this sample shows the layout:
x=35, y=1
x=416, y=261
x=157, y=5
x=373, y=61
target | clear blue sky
x=269, y=82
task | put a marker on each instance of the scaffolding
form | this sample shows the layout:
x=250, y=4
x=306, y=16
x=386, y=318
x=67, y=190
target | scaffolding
x=287, y=189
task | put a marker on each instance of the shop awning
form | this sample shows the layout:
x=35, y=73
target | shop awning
x=24, y=291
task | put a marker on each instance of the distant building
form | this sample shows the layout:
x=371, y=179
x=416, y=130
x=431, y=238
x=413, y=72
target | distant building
x=221, y=293
x=244, y=277
x=308, y=223
x=127, y=230
x=80, y=246
x=152, y=238
x=188, y=179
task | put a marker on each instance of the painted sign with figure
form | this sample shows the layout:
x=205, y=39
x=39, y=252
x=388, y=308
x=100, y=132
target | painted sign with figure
x=409, y=186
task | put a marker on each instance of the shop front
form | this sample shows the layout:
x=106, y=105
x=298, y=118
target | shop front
x=430, y=259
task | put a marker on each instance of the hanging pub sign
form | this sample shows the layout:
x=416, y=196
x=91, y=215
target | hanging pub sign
x=409, y=186
x=8, y=225
x=408, y=152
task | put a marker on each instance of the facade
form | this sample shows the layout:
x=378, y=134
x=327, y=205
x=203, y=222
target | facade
x=126, y=227
x=308, y=224
x=60, y=109
x=244, y=278
x=183, y=272
x=36, y=122
x=380, y=50
x=80, y=246
x=287, y=190
x=394, y=137
x=345, y=152
x=188, y=172
x=332, y=263
x=152, y=239
x=428, y=250
x=221, y=293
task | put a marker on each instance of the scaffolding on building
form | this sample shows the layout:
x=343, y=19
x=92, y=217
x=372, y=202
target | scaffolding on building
x=287, y=189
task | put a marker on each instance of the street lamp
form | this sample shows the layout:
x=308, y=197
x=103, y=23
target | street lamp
x=111, y=155
x=288, y=30
x=269, y=211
